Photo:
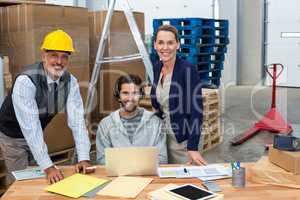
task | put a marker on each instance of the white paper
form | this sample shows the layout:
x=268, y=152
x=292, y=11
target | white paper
x=30, y=173
x=212, y=170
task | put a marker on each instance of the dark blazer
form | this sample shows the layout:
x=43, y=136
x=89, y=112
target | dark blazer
x=185, y=101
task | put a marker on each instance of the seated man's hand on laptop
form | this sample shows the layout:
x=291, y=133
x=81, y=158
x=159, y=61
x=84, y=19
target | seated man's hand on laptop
x=82, y=166
x=53, y=174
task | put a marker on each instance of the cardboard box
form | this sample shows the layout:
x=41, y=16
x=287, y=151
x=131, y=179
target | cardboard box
x=120, y=42
x=15, y=2
x=266, y=172
x=24, y=26
x=287, y=160
x=22, y=30
x=62, y=139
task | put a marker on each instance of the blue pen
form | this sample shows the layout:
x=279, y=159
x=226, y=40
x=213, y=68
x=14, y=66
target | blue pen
x=185, y=171
x=238, y=164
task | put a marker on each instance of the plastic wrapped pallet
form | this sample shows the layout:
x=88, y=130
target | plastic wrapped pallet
x=267, y=173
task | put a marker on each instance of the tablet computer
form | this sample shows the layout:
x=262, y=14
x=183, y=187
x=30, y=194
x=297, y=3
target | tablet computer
x=191, y=192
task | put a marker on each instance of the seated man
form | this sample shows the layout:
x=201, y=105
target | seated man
x=130, y=125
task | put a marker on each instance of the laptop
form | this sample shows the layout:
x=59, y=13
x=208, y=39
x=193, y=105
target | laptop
x=131, y=161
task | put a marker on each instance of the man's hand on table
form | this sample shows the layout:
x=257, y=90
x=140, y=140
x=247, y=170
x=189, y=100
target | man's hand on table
x=53, y=174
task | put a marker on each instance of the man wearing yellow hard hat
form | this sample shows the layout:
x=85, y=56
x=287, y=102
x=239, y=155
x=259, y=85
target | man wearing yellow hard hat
x=39, y=92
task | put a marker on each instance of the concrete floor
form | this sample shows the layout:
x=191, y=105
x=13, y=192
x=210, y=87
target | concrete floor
x=244, y=105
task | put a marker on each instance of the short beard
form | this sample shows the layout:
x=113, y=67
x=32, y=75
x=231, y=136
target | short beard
x=123, y=108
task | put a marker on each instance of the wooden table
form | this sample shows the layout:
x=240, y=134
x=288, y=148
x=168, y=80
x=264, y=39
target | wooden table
x=33, y=189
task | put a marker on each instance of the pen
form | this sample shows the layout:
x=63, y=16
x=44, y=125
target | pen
x=185, y=170
x=238, y=165
x=235, y=165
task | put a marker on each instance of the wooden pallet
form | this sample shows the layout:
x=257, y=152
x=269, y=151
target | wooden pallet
x=210, y=115
x=211, y=134
x=146, y=103
x=211, y=144
x=211, y=105
x=209, y=94
x=210, y=122
x=6, y=74
x=62, y=157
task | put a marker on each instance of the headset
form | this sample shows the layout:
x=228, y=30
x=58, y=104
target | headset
x=117, y=89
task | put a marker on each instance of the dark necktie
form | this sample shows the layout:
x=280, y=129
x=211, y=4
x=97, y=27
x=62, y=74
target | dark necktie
x=53, y=104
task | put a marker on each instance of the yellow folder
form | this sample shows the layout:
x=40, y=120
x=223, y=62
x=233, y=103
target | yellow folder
x=76, y=185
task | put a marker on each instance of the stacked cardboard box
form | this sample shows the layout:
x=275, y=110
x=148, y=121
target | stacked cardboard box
x=22, y=29
x=120, y=42
x=211, y=134
x=288, y=160
x=15, y=2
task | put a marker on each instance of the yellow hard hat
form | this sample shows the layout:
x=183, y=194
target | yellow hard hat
x=58, y=41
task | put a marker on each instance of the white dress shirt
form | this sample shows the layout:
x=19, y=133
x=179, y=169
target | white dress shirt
x=27, y=114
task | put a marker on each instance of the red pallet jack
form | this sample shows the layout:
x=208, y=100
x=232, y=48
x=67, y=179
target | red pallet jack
x=272, y=121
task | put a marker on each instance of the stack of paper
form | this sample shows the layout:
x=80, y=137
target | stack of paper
x=125, y=187
x=76, y=185
x=30, y=173
x=214, y=171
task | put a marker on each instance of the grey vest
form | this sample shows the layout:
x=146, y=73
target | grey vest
x=8, y=122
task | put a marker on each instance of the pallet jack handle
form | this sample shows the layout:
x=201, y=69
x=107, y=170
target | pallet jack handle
x=274, y=76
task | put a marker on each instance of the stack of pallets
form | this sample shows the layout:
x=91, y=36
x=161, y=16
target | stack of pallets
x=211, y=127
x=203, y=42
x=6, y=74
x=64, y=157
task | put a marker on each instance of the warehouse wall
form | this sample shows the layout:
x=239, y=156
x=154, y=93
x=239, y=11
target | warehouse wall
x=80, y=3
x=95, y=5
x=162, y=9
x=228, y=10
x=250, y=42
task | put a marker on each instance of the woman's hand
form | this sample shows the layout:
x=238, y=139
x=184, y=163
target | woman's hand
x=81, y=166
x=195, y=157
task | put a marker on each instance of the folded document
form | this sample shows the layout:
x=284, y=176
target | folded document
x=214, y=170
x=30, y=173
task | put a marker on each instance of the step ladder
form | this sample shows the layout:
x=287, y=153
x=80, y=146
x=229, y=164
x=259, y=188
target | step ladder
x=143, y=54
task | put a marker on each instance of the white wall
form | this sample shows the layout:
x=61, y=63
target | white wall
x=250, y=41
x=80, y=3
x=228, y=10
x=162, y=9
x=94, y=5
x=61, y=2
x=283, y=49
